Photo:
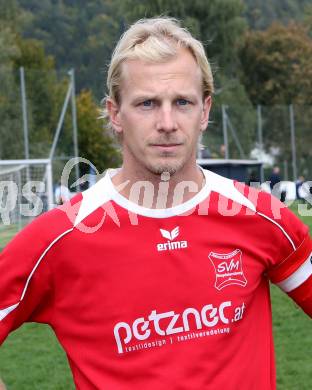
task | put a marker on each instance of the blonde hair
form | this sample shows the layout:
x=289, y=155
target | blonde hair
x=155, y=40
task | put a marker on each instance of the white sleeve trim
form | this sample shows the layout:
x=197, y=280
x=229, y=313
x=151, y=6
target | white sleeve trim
x=298, y=277
x=280, y=227
x=8, y=310
x=40, y=258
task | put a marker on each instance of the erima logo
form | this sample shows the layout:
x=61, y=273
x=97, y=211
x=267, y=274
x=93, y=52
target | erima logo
x=170, y=244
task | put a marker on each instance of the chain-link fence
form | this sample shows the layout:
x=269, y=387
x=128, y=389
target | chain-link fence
x=276, y=135
x=31, y=103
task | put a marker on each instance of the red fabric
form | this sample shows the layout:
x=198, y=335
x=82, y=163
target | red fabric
x=292, y=262
x=192, y=313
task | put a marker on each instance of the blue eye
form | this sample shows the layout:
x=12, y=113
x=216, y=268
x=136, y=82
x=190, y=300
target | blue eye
x=182, y=102
x=147, y=103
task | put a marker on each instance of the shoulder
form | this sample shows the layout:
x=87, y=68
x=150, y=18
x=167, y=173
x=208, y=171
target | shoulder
x=266, y=208
x=279, y=219
x=44, y=230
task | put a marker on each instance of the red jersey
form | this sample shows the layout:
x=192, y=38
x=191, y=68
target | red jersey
x=160, y=299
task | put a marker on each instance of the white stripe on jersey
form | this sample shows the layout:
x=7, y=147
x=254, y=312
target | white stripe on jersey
x=7, y=310
x=298, y=277
x=280, y=227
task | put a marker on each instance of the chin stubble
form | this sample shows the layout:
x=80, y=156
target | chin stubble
x=171, y=169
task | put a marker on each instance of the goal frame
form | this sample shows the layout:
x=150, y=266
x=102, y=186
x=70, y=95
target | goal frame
x=29, y=162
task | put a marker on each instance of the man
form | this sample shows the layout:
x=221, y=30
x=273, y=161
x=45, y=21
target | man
x=157, y=277
x=61, y=193
x=275, y=182
x=300, y=188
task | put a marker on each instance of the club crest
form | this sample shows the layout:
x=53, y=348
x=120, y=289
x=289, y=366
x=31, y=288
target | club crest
x=228, y=269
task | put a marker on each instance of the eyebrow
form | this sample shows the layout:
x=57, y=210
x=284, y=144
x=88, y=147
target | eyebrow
x=143, y=97
x=187, y=96
x=139, y=98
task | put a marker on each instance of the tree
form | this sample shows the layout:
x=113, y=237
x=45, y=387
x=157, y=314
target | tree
x=95, y=143
x=261, y=14
x=78, y=34
x=10, y=125
x=277, y=72
x=41, y=85
x=44, y=92
x=277, y=65
x=241, y=114
x=219, y=23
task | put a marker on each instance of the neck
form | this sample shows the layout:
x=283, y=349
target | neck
x=159, y=191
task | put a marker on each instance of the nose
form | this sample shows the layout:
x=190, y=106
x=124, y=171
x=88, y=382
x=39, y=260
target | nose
x=166, y=121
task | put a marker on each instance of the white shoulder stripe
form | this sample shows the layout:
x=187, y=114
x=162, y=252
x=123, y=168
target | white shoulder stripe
x=8, y=310
x=93, y=198
x=280, y=227
x=298, y=277
x=226, y=188
x=41, y=257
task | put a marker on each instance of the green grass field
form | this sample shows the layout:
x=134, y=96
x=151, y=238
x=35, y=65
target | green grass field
x=6, y=233
x=31, y=359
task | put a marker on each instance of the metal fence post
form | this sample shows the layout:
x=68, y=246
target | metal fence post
x=225, y=133
x=293, y=142
x=24, y=110
x=260, y=138
x=74, y=119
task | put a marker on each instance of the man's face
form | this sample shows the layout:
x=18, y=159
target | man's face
x=161, y=114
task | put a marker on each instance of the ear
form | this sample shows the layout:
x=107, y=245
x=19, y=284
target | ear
x=114, y=114
x=205, y=113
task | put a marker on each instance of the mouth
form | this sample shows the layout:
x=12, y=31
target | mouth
x=167, y=147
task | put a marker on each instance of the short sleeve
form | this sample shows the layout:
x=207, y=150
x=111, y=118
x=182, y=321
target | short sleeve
x=293, y=274
x=26, y=280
